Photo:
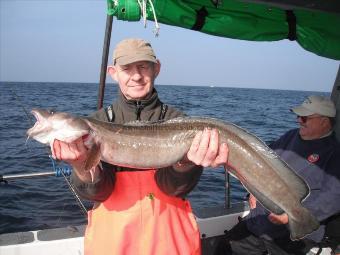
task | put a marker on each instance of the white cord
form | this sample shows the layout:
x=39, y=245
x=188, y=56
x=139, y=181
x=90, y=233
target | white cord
x=156, y=30
x=142, y=6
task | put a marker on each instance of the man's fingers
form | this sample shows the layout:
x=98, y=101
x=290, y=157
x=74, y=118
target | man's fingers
x=69, y=151
x=206, y=151
x=56, y=151
x=222, y=157
x=212, y=149
x=194, y=146
x=278, y=219
x=203, y=146
x=80, y=143
x=273, y=218
x=73, y=151
x=77, y=148
x=252, y=201
x=65, y=151
x=52, y=149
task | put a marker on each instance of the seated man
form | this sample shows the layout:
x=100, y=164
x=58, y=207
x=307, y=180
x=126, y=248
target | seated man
x=313, y=152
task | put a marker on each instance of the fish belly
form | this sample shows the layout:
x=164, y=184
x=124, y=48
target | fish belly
x=144, y=153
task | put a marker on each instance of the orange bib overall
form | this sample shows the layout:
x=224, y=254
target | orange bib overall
x=139, y=219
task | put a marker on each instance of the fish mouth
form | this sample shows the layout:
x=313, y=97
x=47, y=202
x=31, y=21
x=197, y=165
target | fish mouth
x=37, y=125
x=36, y=116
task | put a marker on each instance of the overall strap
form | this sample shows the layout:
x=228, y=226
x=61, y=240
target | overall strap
x=163, y=111
x=109, y=113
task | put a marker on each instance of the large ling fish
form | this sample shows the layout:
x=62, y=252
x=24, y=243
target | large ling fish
x=277, y=187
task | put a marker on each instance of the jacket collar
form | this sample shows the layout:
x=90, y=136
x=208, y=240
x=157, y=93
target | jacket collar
x=148, y=104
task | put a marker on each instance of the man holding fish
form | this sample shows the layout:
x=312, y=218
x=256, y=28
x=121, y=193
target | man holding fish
x=313, y=152
x=140, y=211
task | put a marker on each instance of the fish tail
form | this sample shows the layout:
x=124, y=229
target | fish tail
x=302, y=225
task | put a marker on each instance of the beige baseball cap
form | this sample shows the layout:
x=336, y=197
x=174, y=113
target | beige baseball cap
x=316, y=105
x=132, y=50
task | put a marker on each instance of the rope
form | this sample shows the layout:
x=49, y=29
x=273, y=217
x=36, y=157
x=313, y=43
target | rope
x=142, y=6
x=157, y=28
x=71, y=188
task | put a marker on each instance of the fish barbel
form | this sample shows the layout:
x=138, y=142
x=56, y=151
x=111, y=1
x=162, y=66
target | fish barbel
x=156, y=145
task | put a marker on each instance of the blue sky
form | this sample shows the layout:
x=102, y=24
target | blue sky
x=62, y=41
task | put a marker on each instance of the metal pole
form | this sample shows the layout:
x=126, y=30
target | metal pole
x=58, y=171
x=21, y=176
x=336, y=99
x=105, y=57
x=227, y=188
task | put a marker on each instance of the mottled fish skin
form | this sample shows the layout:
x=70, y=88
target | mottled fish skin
x=157, y=145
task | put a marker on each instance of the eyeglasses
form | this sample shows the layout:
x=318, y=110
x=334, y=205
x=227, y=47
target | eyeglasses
x=305, y=118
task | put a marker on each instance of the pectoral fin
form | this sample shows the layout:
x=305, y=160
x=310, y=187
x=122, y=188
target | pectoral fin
x=93, y=158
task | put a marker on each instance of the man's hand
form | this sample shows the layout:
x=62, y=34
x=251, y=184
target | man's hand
x=75, y=154
x=72, y=153
x=252, y=201
x=278, y=219
x=206, y=151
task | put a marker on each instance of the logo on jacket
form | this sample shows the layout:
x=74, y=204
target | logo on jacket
x=313, y=158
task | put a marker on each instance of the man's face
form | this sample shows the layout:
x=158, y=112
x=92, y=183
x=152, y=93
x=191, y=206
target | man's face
x=313, y=126
x=136, y=80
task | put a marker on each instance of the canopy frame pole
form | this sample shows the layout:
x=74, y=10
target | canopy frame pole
x=105, y=57
x=335, y=96
x=5, y=178
x=227, y=189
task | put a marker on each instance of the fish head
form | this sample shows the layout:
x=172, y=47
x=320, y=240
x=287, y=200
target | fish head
x=60, y=125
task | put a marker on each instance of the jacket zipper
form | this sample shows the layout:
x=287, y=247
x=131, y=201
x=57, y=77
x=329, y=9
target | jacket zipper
x=139, y=108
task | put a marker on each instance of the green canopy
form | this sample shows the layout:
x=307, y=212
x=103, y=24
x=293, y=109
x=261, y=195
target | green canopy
x=316, y=30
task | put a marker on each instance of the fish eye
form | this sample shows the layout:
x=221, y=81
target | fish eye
x=51, y=111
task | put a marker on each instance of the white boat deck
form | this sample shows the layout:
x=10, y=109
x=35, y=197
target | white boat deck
x=60, y=241
x=212, y=222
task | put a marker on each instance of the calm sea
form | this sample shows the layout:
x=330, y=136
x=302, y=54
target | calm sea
x=46, y=202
